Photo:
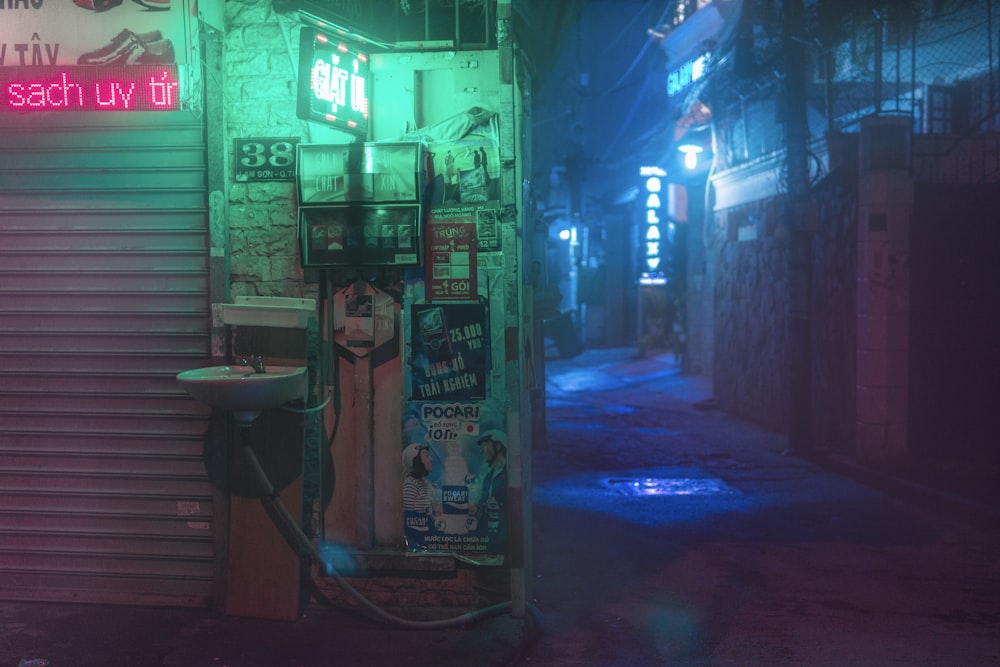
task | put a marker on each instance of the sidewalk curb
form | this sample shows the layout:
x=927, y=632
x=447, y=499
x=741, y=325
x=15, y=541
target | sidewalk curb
x=981, y=514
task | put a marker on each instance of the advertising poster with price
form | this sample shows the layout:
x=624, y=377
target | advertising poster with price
x=451, y=271
x=449, y=351
x=454, y=471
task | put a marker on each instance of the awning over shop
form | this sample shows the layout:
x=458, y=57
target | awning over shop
x=711, y=25
x=693, y=47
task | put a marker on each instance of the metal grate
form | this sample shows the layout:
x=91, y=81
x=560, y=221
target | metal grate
x=104, y=495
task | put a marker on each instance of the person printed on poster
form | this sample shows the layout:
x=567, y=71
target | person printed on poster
x=455, y=478
x=484, y=163
x=421, y=507
x=463, y=171
x=490, y=505
x=449, y=169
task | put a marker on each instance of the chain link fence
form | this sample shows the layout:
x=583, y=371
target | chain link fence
x=936, y=62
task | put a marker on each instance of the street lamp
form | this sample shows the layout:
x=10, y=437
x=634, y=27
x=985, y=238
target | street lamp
x=690, y=154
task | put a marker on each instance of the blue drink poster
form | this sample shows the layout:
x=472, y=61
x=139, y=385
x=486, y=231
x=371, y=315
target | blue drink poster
x=454, y=471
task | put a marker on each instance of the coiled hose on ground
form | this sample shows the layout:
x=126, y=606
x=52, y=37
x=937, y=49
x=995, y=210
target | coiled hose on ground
x=298, y=539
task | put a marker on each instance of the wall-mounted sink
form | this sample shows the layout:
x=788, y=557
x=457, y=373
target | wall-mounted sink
x=242, y=390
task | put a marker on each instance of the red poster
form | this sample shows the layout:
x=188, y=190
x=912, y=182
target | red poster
x=451, y=254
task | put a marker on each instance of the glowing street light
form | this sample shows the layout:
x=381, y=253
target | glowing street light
x=690, y=154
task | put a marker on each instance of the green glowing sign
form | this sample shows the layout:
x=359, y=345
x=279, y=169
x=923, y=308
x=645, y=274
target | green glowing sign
x=333, y=82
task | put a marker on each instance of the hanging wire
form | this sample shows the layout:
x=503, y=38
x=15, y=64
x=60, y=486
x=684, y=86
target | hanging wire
x=640, y=96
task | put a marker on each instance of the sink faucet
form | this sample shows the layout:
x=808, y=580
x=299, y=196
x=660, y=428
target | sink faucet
x=255, y=361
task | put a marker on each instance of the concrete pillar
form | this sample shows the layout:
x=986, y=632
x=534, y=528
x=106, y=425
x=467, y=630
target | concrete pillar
x=886, y=194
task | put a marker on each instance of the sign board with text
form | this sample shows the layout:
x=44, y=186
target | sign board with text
x=449, y=351
x=451, y=273
x=264, y=159
x=333, y=82
x=84, y=88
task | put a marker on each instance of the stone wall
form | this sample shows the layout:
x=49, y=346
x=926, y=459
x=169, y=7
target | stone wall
x=260, y=48
x=751, y=369
x=749, y=364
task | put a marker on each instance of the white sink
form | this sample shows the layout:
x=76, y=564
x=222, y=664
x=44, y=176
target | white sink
x=244, y=391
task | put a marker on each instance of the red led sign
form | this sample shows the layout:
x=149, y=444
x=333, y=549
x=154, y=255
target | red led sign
x=87, y=88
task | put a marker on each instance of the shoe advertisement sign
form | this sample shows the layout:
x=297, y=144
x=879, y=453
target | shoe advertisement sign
x=454, y=471
x=101, y=33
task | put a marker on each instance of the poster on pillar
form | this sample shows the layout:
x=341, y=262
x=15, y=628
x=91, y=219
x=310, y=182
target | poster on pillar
x=455, y=479
x=449, y=351
x=484, y=215
x=466, y=171
x=364, y=318
x=451, y=272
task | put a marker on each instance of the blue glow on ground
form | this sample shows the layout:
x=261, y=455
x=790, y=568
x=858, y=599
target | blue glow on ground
x=670, y=486
x=592, y=426
x=664, y=496
x=618, y=410
x=655, y=430
x=575, y=426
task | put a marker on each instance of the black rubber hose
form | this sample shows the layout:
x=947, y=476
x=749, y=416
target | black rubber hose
x=298, y=539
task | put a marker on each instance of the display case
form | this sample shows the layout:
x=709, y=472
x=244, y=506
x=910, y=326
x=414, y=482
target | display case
x=356, y=235
x=325, y=175
x=396, y=169
x=390, y=172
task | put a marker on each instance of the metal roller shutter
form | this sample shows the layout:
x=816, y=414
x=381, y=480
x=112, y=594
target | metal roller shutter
x=103, y=300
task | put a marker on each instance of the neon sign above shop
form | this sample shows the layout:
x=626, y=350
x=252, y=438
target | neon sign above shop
x=88, y=88
x=333, y=82
x=688, y=73
x=652, y=255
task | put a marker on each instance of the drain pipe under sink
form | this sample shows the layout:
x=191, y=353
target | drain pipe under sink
x=297, y=538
